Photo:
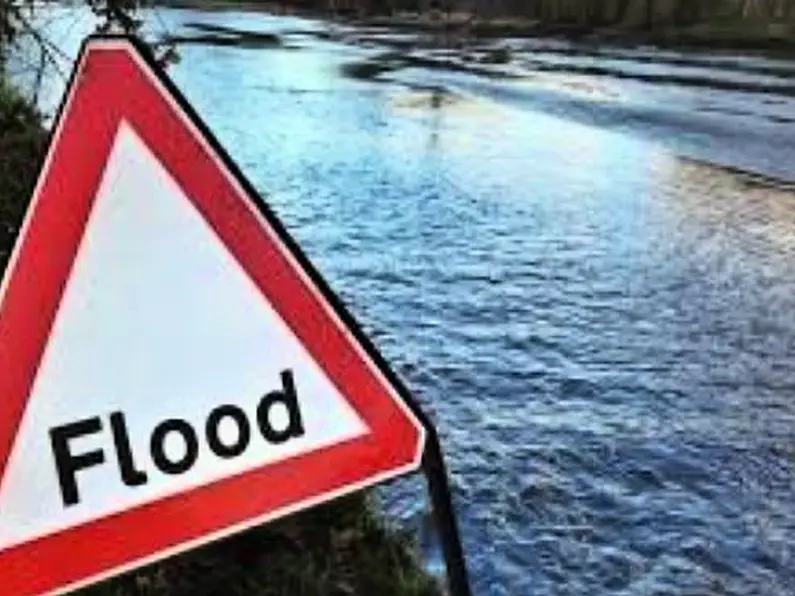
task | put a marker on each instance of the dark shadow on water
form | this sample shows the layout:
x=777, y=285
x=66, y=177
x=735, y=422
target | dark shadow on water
x=389, y=61
x=218, y=35
x=369, y=69
x=786, y=87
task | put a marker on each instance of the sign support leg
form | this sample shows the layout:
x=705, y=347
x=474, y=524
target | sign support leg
x=442, y=503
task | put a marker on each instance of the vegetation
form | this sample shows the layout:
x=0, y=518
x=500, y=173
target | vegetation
x=21, y=147
x=717, y=22
x=635, y=13
x=341, y=549
x=592, y=12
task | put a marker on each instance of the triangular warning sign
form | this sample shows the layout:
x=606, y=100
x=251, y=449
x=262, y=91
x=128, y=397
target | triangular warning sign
x=172, y=369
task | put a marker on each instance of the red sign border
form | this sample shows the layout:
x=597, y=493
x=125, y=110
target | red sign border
x=36, y=277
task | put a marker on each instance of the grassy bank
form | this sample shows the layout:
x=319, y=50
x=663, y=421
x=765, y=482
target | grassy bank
x=344, y=548
x=723, y=34
x=340, y=549
x=717, y=29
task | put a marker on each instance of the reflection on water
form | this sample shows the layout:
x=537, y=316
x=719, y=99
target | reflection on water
x=602, y=330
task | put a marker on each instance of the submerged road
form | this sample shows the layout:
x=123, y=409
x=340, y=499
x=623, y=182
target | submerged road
x=582, y=262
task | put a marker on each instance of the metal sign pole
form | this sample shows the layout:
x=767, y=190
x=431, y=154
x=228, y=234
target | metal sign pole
x=444, y=514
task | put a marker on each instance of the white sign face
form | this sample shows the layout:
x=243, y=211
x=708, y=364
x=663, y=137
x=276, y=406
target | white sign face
x=172, y=369
x=149, y=276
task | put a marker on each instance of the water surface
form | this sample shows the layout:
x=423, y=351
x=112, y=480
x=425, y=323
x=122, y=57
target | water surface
x=597, y=313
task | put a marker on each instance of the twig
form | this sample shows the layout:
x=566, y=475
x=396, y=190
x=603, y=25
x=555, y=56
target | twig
x=47, y=47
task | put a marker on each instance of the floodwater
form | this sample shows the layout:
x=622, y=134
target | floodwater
x=583, y=264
